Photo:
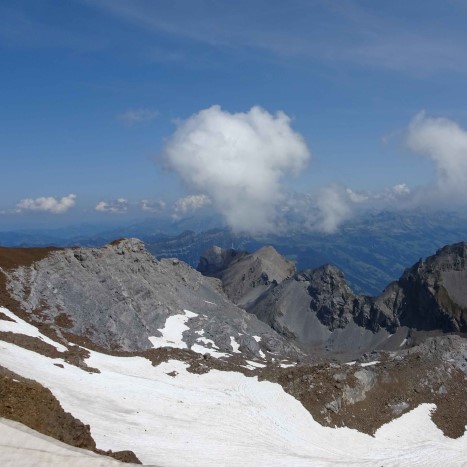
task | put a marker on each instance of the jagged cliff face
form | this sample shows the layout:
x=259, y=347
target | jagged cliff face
x=435, y=291
x=318, y=310
x=330, y=297
x=119, y=296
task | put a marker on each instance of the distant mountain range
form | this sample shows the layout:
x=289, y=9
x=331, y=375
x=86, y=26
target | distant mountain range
x=372, y=249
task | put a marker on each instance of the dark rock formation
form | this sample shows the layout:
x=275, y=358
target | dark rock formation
x=318, y=309
x=215, y=260
x=245, y=276
x=435, y=291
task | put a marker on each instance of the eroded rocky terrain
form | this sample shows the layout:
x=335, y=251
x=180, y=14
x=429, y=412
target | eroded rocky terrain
x=119, y=295
x=317, y=309
x=73, y=320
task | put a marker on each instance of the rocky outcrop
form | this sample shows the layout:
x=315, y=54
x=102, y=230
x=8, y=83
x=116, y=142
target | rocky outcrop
x=431, y=295
x=215, y=260
x=245, y=276
x=435, y=291
x=318, y=309
x=381, y=386
x=330, y=297
x=119, y=295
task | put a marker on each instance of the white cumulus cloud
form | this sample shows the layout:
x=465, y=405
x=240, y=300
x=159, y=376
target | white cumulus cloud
x=238, y=160
x=383, y=198
x=445, y=143
x=153, y=206
x=47, y=204
x=188, y=204
x=118, y=206
x=357, y=196
x=333, y=207
x=401, y=189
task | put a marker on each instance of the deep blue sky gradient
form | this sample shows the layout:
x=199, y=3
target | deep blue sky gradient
x=350, y=74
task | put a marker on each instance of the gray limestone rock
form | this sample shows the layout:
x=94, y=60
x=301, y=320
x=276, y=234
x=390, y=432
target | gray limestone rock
x=245, y=276
x=119, y=295
x=450, y=349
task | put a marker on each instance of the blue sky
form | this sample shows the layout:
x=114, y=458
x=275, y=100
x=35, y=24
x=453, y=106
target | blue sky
x=92, y=92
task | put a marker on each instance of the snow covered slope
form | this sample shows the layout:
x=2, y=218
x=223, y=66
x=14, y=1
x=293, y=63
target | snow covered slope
x=19, y=445
x=171, y=417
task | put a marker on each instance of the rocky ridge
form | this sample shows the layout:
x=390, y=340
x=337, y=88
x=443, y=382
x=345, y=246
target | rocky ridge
x=119, y=295
x=319, y=311
x=245, y=276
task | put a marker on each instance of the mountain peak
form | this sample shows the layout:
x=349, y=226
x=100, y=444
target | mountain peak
x=134, y=245
x=245, y=276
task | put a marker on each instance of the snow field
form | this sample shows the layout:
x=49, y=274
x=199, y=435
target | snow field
x=220, y=418
x=43, y=450
x=19, y=326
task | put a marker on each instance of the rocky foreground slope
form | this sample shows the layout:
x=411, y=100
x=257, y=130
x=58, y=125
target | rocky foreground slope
x=148, y=360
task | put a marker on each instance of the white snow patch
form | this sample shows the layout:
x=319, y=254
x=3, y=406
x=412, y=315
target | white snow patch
x=261, y=353
x=20, y=326
x=403, y=343
x=350, y=363
x=221, y=418
x=172, y=332
x=370, y=363
x=206, y=350
x=213, y=350
x=235, y=345
x=211, y=303
x=256, y=364
x=172, y=336
x=248, y=367
x=286, y=365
